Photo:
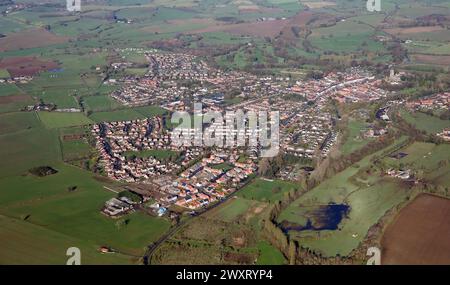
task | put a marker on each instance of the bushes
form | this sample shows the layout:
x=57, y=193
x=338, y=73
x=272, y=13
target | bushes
x=42, y=171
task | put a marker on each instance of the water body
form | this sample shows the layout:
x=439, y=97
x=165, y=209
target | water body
x=326, y=217
x=56, y=70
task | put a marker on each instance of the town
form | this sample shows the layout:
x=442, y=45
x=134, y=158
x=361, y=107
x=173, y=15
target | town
x=189, y=177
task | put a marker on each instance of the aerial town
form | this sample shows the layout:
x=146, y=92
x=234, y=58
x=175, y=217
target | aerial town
x=139, y=151
x=224, y=132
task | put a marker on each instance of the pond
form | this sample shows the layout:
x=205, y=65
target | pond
x=319, y=218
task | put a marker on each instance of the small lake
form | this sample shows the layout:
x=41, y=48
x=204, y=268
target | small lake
x=325, y=217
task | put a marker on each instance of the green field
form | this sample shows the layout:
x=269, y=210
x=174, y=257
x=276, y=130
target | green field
x=127, y=114
x=40, y=218
x=425, y=122
x=27, y=243
x=346, y=37
x=47, y=201
x=232, y=227
x=53, y=120
x=28, y=148
x=9, y=89
x=4, y=73
x=425, y=159
x=269, y=255
x=230, y=211
x=75, y=149
x=354, y=140
x=119, y=115
x=369, y=197
x=156, y=153
x=15, y=122
x=100, y=103
x=266, y=190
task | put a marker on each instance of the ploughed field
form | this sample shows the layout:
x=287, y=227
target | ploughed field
x=419, y=234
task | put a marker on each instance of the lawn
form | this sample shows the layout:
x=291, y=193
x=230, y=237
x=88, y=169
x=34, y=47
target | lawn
x=266, y=190
x=53, y=120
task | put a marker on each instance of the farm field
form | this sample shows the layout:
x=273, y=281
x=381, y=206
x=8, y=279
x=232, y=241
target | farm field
x=26, y=243
x=15, y=122
x=354, y=140
x=53, y=120
x=127, y=114
x=118, y=115
x=425, y=122
x=419, y=234
x=30, y=39
x=45, y=207
x=77, y=212
x=28, y=148
x=427, y=160
x=75, y=149
x=4, y=73
x=9, y=89
x=100, y=103
x=345, y=36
